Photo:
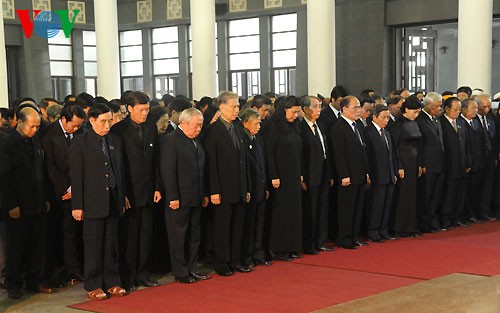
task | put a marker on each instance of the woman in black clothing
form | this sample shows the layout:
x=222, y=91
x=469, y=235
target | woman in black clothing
x=407, y=139
x=284, y=147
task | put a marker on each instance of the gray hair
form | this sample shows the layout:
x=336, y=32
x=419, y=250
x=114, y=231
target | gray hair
x=432, y=97
x=379, y=108
x=188, y=114
x=248, y=113
x=479, y=97
x=54, y=111
x=466, y=103
x=225, y=96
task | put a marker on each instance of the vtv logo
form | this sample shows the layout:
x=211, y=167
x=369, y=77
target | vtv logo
x=46, y=23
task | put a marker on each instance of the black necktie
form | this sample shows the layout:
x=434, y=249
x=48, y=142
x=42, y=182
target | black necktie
x=357, y=133
x=140, y=132
x=384, y=138
x=110, y=175
x=318, y=138
x=485, y=123
x=68, y=138
x=234, y=137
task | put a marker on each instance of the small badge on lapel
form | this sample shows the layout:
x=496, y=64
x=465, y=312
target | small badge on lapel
x=150, y=144
x=250, y=146
x=112, y=148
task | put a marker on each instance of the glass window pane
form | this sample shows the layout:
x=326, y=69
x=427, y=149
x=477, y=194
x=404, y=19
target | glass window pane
x=236, y=82
x=244, y=44
x=139, y=86
x=166, y=50
x=284, y=58
x=244, y=27
x=285, y=41
x=90, y=86
x=58, y=68
x=282, y=23
x=90, y=69
x=165, y=34
x=132, y=68
x=60, y=52
x=244, y=61
x=169, y=66
x=65, y=87
x=131, y=53
x=90, y=53
x=89, y=38
x=60, y=39
x=133, y=37
x=128, y=84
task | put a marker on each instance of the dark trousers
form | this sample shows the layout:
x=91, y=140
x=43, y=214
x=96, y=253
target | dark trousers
x=378, y=224
x=350, y=213
x=100, y=237
x=486, y=176
x=333, y=213
x=453, y=201
x=54, y=252
x=228, y=231
x=473, y=188
x=251, y=248
x=26, y=240
x=183, y=227
x=315, y=211
x=72, y=239
x=428, y=216
x=136, y=231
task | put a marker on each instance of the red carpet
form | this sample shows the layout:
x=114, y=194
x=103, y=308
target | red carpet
x=316, y=282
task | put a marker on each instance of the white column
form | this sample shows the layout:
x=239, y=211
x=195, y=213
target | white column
x=475, y=19
x=108, y=57
x=4, y=88
x=321, y=65
x=203, y=36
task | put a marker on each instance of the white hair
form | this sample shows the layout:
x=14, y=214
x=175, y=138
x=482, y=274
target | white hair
x=188, y=114
x=432, y=97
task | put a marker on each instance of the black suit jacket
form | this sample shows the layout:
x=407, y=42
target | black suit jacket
x=313, y=156
x=381, y=156
x=455, y=152
x=227, y=165
x=23, y=172
x=182, y=169
x=474, y=141
x=349, y=154
x=141, y=161
x=89, y=185
x=57, y=158
x=433, y=150
x=327, y=118
x=257, y=166
x=490, y=136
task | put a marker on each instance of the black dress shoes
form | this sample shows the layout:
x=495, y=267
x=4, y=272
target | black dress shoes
x=14, y=293
x=388, y=237
x=295, y=255
x=326, y=249
x=348, y=246
x=377, y=239
x=243, y=269
x=224, y=271
x=185, y=280
x=147, y=283
x=263, y=262
x=360, y=243
x=75, y=278
x=200, y=276
x=311, y=251
x=282, y=257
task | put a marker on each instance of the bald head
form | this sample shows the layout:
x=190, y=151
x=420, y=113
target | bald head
x=28, y=122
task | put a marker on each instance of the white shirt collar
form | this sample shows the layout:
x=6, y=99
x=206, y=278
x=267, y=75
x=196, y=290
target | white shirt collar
x=449, y=119
x=428, y=115
x=335, y=111
x=466, y=119
x=173, y=124
x=348, y=120
x=376, y=126
x=311, y=124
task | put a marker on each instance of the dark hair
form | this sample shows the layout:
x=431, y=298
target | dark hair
x=449, y=101
x=376, y=97
x=203, y=102
x=346, y=101
x=447, y=93
x=393, y=100
x=4, y=112
x=338, y=92
x=85, y=100
x=379, y=108
x=411, y=103
x=98, y=109
x=418, y=93
x=115, y=108
x=116, y=101
x=180, y=104
x=167, y=99
x=258, y=101
x=365, y=98
x=208, y=115
x=68, y=97
x=125, y=94
x=156, y=113
x=248, y=113
x=305, y=101
x=466, y=103
x=271, y=94
x=366, y=92
x=465, y=89
x=137, y=97
x=154, y=103
x=68, y=111
x=27, y=104
x=44, y=103
x=101, y=99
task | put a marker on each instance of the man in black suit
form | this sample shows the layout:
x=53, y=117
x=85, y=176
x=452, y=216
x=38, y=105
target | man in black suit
x=382, y=160
x=487, y=173
x=183, y=171
x=98, y=198
x=328, y=117
x=352, y=168
x=394, y=104
x=140, y=143
x=365, y=114
x=253, y=252
x=476, y=152
x=228, y=185
x=455, y=165
x=432, y=160
x=175, y=108
x=317, y=178
x=24, y=204
x=56, y=145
